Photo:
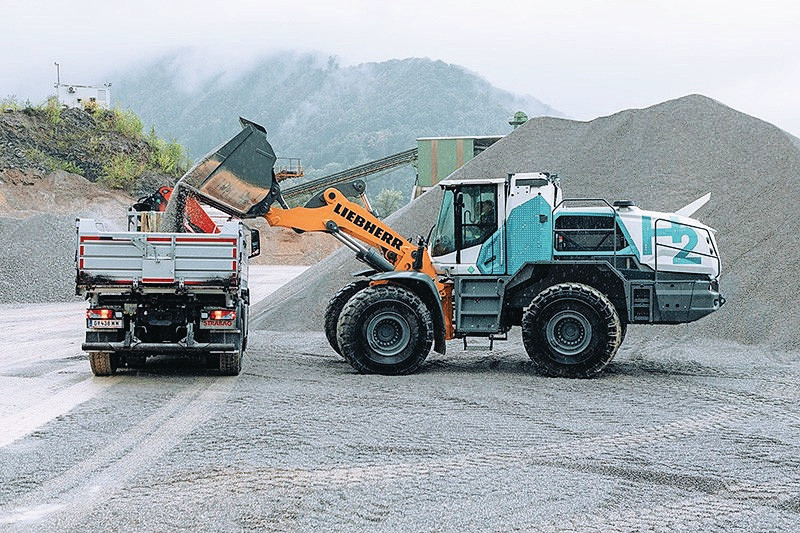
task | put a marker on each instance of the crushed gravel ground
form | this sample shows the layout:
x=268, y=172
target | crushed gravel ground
x=700, y=436
x=662, y=157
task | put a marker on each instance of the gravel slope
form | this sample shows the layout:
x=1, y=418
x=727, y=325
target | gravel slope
x=38, y=260
x=663, y=157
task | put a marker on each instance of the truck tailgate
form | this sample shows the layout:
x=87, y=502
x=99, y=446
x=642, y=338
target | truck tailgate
x=109, y=258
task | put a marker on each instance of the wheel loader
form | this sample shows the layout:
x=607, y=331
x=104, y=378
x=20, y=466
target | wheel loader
x=505, y=251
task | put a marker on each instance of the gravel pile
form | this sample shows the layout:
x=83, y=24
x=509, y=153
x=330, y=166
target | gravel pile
x=662, y=157
x=37, y=231
x=38, y=263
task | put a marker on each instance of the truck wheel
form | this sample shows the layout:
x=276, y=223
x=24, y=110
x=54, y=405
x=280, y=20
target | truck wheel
x=385, y=329
x=103, y=363
x=335, y=307
x=245, y=324
x=571, y=330
x=230, y=363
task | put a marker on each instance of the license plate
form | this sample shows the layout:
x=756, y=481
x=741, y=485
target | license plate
x=106, y=324
x=217, y=324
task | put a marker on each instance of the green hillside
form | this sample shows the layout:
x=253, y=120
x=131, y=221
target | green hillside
x=331, y=117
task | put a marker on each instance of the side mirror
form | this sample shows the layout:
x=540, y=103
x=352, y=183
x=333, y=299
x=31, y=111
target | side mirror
x=255, y=243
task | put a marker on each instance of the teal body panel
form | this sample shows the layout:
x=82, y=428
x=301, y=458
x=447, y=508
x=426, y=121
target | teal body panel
x=492, y=257
x=528, y=235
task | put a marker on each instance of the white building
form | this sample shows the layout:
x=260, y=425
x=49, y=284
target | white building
x=83, y=95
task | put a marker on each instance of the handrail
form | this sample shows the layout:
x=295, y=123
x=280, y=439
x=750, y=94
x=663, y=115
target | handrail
x=710, y=241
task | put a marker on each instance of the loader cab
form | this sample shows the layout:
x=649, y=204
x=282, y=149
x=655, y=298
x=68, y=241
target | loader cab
x=470, y=236
x=471, y=212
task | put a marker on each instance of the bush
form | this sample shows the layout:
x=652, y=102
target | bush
x=122, y=121
x=127, y=123
x=52, y=109
x=169, y=157
x=121, y=172
x=49, y=162
x=10, y=102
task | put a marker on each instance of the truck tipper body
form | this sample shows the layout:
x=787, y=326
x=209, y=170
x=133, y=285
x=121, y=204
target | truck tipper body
x=157, y=293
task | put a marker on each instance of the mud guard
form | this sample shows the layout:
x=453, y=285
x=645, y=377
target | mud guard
x=423, y=286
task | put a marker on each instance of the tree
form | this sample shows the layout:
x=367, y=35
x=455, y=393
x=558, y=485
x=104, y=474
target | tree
x=388, y=201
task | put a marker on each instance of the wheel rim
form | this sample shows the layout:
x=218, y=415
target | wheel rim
x=388, y=333
x=569, y=333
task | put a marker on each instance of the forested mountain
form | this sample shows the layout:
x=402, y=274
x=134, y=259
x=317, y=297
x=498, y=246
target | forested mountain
x=331, y=116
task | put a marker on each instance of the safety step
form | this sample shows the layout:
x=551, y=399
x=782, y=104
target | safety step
x=484, y=347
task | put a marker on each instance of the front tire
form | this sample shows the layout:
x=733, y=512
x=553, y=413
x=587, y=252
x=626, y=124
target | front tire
x=571, y=330
x=385, y=329
x=334, y=310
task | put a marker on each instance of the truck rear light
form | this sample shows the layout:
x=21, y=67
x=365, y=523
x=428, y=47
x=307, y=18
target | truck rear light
x=222, y=314
x=99, y=314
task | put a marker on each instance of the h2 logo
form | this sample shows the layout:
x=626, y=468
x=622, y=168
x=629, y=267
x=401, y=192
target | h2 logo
x=675, y=230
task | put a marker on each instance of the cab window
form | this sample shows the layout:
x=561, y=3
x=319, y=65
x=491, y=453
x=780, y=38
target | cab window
x=478, y=214
x=444, y=240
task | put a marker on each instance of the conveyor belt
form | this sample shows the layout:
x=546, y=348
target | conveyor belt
x=359, y=171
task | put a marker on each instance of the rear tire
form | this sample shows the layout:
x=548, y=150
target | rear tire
x=571, y=330
x=385, y=329
x=334, y=310
x=103, y=363
x=230, y=363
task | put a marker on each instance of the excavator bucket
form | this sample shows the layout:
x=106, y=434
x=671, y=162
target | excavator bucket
x=237, y=177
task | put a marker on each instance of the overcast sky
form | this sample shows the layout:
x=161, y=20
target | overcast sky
x=585, y=58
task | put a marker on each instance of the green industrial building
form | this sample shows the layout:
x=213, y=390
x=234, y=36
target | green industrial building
x=438, y=157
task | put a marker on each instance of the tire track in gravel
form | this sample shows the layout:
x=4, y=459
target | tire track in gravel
x=16, y=425
x=682, y=515
x=562, y=452
x=62, y=502
x=730, y=503
x=569, y=449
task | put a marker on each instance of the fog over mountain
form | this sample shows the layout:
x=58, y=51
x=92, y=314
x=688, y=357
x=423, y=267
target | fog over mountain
x=331, y=116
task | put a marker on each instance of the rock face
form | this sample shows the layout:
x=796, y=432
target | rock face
x=662, y=157
x=32, y=145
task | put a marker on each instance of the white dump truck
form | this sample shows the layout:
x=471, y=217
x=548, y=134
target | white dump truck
x=155, y=293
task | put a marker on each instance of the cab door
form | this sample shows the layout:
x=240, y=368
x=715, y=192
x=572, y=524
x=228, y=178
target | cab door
x=469, y=218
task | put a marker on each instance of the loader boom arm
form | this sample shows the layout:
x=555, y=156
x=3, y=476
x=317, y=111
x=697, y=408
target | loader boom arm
x=339, y=215
x=238, y=178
